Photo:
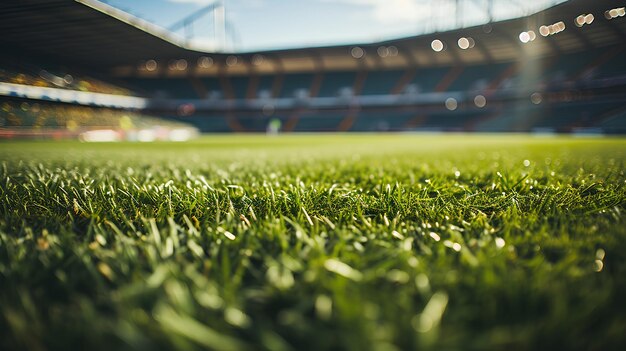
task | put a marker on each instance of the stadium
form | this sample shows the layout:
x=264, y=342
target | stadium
x=461, y=187
x=520, y=75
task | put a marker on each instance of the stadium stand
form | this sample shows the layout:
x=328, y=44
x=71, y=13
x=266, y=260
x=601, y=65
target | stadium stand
x=17, y=72
x=45, y=120
x=168, y=88
x=296, y=85
x=381, y=82
x=495, y=77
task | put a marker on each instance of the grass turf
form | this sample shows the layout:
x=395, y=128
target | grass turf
x=392, y=242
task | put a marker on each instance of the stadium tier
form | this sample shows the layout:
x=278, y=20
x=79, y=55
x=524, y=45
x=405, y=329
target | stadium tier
x=16, y=71
x=541, y=73
x=39, y=120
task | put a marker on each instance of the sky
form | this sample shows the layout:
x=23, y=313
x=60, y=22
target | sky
x=276, y=24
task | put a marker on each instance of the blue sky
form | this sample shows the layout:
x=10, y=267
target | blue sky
x=273, y=24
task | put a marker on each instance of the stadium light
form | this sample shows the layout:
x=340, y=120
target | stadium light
x=437, y=45
x=382, y=51
x=257, y=59
x=611, y=14
x=385, y=51
x=528, y=36
x=357, y=52
x=205, y=62
x=615, y=13
x=231, y=60
x=463, y=43
x=480, y=101
x=151, y=65
x=556, y=28
x=584, y=19
x=524, y=37
x=177, y=65
x=181, y=64
x=580, y=21
x=536, y=98
x=451, y=104
x=466, y=43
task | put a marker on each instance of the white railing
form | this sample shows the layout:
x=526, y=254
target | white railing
x=71, y=96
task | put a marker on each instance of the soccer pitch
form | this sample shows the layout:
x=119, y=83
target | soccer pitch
x=314, y=242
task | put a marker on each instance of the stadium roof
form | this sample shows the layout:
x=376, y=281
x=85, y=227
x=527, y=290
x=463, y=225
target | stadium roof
x=81, y=32
x=92, y=34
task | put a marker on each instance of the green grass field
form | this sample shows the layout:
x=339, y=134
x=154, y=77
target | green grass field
x=314, y=242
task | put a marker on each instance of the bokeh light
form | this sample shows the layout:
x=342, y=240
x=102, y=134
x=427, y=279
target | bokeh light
x=258, y=59
x=536, y=98
x=480, y=101
x=232, y=60
x=205, y=62
x=524, y=37
x=464, y=43
x=151, y=65
x=451, y=104
x=357, y=52
x=437, y=45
